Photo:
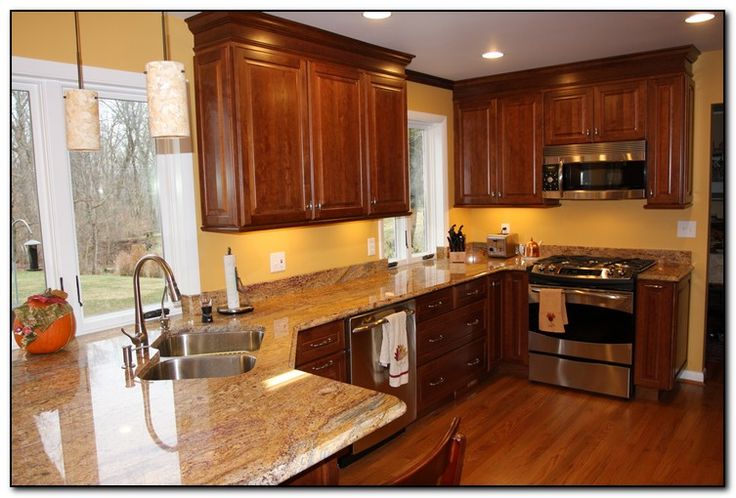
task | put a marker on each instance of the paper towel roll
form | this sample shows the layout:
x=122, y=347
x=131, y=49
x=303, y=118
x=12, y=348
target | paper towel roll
x=233, y=300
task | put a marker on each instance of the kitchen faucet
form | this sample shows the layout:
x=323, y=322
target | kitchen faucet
x=140, y=339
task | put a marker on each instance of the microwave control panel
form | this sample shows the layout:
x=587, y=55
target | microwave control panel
x=551, y=178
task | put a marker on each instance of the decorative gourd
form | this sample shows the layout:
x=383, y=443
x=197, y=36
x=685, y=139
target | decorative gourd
x=44, y=323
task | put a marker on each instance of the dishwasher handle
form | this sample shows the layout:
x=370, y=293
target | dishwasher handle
x=376, y=323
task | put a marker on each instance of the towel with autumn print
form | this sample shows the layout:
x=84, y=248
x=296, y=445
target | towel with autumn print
x=395, y=349
x=552, y=311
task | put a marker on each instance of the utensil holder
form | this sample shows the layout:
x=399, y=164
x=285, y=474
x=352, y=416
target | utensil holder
x=457, y=256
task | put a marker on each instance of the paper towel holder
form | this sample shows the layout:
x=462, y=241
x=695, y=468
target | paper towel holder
x=224, y=310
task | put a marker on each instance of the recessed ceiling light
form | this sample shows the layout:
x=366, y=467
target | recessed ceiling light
x=700, y=17
x=376, y=15
x=493, y=54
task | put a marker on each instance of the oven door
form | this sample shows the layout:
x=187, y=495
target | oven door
x=600, y=325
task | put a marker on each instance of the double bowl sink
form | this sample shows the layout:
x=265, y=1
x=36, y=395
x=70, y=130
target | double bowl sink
x=196, y=355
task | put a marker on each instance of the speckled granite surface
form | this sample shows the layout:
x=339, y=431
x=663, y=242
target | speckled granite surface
x=74, y=421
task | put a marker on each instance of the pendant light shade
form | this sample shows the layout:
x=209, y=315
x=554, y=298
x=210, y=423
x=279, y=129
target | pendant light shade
x=166, y=87
x=82, y=114
x=81, y=110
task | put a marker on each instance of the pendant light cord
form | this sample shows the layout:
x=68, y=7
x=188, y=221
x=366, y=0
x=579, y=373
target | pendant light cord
x=80, y=80
x=165, y=36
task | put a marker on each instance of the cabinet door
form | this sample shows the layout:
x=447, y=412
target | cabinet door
x=220, y=181
x=387, y=145
x=495, y=319
x=519, y=165
x=515, y=330
x=620, y=111
x=568, y=116
x=271, y=107
x=475, y=152
x=337, y=141
x=669, y=136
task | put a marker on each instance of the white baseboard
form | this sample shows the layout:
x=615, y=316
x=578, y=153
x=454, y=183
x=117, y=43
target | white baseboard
x=692, y=376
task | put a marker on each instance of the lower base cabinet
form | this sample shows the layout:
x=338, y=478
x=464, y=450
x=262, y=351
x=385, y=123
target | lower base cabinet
x=321, y=350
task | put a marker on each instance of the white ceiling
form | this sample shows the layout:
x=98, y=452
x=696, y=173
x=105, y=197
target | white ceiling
x=449, y=44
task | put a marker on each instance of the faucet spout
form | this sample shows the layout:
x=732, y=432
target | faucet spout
x=141, y=334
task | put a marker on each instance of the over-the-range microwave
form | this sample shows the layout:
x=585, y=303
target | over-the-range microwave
x=602, y=170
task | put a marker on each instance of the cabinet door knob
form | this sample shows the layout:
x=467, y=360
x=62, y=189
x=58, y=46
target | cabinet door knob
x=651, y=193
x=309, y=206
x=499, y=194
x=596, y=132
x=373, y=202
x=319, y=205
x=493, y=194
x=587, y=132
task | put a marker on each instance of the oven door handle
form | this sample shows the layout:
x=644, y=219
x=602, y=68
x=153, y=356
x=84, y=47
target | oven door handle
x=578, y=292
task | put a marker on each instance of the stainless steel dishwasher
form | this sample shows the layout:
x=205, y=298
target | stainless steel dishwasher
x=366, y=334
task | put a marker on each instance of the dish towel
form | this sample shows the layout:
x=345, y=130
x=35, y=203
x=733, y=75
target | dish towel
x=395, y=349
x=552, y=312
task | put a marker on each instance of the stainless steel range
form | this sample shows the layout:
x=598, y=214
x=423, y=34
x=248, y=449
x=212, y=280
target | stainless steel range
x=596, y=350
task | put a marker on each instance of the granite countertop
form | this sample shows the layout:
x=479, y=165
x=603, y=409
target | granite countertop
x=667, y=271
x=77, y=420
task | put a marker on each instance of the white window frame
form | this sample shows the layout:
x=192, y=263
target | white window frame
x=435, y=187
x=46, y=81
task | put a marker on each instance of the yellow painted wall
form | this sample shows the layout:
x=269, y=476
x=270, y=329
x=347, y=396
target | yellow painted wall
x=625, y=223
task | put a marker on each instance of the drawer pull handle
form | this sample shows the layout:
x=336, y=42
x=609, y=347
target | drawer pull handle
x=436, y=339
x=473, y=363
x=322, y=367
x=473, y=323
x=432, y=306
x=437, y=382
x=323, y=343
x=472, y=293
x=654, y=286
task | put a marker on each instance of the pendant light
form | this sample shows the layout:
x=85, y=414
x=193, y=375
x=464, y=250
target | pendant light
x=166, y=86
x=81, y=109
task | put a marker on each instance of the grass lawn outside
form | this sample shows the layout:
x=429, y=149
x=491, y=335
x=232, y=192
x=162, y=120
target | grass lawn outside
x=101, y=293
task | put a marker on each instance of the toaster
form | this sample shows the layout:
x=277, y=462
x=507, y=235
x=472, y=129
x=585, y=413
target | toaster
x=502, y=245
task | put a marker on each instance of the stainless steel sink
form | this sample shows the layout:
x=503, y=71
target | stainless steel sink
x=197, y=367
x=208, y=342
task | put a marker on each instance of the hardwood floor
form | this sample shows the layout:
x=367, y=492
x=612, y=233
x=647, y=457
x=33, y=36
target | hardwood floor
x=522, y=433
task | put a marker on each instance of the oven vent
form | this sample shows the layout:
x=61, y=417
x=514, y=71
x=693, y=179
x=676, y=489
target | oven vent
x=596, y=152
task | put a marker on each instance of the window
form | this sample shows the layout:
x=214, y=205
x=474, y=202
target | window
x=99, y=211
x=407, y=239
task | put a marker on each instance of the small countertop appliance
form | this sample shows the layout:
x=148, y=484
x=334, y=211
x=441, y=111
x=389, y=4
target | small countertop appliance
x=502, y=245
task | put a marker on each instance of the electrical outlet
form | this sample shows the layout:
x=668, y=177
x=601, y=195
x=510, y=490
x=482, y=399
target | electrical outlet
x=371, y=246
x=278, y=261
x=686, y=229
x=505, y=228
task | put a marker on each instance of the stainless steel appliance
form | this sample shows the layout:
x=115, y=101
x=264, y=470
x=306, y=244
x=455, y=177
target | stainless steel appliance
x=603, y=170
x=365, y=339
x=595, y=353
x=502, y=245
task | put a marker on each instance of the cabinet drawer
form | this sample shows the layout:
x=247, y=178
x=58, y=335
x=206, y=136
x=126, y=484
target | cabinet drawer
x=434, y=304
x=320, y=341
x=442, y=334
x=441, y=377
x=333, y=367
x=469, y=291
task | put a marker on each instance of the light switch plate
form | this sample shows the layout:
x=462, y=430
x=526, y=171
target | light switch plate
x=686, y=229
x=371, y=246
x=278, y=261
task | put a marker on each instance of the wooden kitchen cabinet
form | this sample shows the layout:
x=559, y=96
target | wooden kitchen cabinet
x=495, y=319
x=499, y=151
x=515, y=317
x=321, y=350
x=601, y=113
x=669, y=142
x=662, y=319
x=296, y=125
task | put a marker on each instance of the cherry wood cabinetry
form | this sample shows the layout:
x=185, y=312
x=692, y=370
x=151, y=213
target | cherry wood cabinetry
x=321, y=351
x=662, y=317
x=495, y=319
x=647, y=95
x=602, y=113
x=669, y=140
x=499, y=151
x=451, y=341
x=296, y=125
x=514, y=316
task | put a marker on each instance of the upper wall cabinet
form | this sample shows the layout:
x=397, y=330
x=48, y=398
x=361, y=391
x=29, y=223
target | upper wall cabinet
x=602, y=113
x=296, y=125
x=647, y=95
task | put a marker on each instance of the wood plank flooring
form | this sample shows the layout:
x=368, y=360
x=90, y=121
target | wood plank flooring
x=522, y=433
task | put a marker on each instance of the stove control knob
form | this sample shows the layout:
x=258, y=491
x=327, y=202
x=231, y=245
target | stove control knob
x=541, y=267
x=551, y=268
x=621, y=272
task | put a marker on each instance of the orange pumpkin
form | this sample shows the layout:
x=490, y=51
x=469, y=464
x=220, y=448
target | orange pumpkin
x=45, y=323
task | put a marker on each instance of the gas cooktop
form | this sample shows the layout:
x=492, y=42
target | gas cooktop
x=591, y=267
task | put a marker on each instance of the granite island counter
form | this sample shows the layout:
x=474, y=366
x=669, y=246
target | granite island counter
x=77, y=421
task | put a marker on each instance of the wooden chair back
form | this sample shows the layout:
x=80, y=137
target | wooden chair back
x=442, y=466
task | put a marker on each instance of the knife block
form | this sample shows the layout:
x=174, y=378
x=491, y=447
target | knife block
x=457, y=256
